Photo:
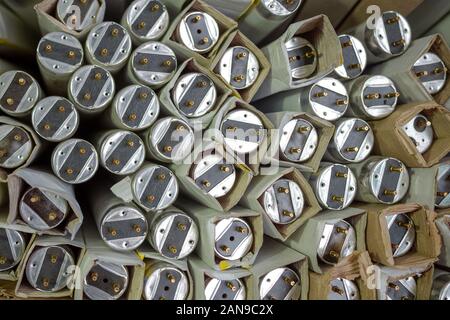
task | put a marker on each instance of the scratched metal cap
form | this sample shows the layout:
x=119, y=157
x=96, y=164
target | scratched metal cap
x=42, y=209
x=153, y=64
x=280, y=284
x=74, y=161
x=194, y=94
x=19, y=92
x=198, y=31
x=123, y=228
x=15, y=146
x=338, y=241
x=60, y=53
x=379, y=97
x=442, y=199
x=302, y=57
x=154, y=187
x=146, y=20
x=122, y=152
x=108, y=45
x=343, y=289
x=164, y=281
x=239, y=67
x=174, y=235
x=217, y=289
x=55, y=119
x=91, y=89
x=12, y=248
x=233, y=238
x=402, y=233
x=420, y=130
x=48, y=268
x=78, y=15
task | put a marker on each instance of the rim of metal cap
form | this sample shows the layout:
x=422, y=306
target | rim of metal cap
x=322, y=186
x=343, y=130
x=112, y=141
x=271, y=203
x=159, y=233
x=33, y=219
x=142, y=178
x=29, y=99
x=434, y=86
x=376, y=177
x=37, y=256
x=351, y=291
x=67, y=128
x=148, y=77
x=16, y=242
x=184, y=83
x=23, y=153
x=56, y=66
x=266, y=283
x=123, y=100
x=153, y=277
x=361, y=55
x=420, y=130
x=60, y=154
x=277, y=9
x=65, y=7
x=381, y=111
x=96, y=294
x=252, y=71
x=213, y=285
x=310, y=145
x=185, y=36
x=306, y=70
x=135, y=10
x=180, y=150
x=222, y=226
x=77, y=81
x=348, y=247
x=325, y=112
x=121, y=213
x=380, y=33
x=408, y=239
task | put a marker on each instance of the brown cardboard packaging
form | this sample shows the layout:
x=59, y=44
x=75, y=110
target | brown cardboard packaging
x=274, y=255
x=391, y=140
x=226, y=26
x=253, y=199
x=349, y=268
x=237, y=38
x=427, y=242
x=399, y=69
x=422, y=186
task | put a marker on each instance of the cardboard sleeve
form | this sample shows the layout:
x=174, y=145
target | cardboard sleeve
x=253, y=199
x=274, y=255
x=443, y=226
x=226, y=26
x=400, y=70
x=46, y=15
x=77, y=246
x=201, y=273
x=427, y=242
x=206, y=219
x=237, y=38
x=213, y=133
x=325, y=131
x=146, y=253
x=306, y=239
x=391, y=140
x=422, y=187
x=190, y=188
x=320, y=33
x=166, y=93
x=22, y=179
